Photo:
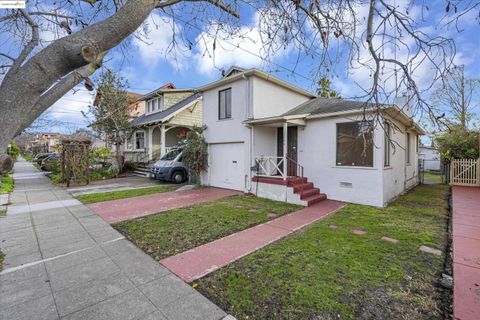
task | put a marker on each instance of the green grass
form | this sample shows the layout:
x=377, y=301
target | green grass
x=178, y=230
x=3, y=213
x=325, y=273
x=7, y=184
x=2, y=256
x=435, y=177
x=28, y=157
x=113, y=195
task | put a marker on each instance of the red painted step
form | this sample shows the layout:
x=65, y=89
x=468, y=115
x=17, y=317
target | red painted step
x=302, y=186
x=316, y=198
x=308, y=193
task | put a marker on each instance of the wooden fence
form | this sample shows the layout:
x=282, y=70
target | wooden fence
x=465, y=172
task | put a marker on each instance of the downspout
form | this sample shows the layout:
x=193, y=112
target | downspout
x=250, y=127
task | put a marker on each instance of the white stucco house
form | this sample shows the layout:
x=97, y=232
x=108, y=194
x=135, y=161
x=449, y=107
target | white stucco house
x=430, y=158
x=275, y=140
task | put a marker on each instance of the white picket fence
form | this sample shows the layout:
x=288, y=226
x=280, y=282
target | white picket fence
x=465, y=172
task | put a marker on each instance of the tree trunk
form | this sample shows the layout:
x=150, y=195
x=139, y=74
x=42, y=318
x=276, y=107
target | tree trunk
x=22, y=89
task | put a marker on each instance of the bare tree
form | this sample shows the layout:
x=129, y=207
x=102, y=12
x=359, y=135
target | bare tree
x=457, y=96
x=35, y=79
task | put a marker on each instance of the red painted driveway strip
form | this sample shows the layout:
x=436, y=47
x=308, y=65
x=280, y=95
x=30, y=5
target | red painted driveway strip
x=124, y=209
x=466, y=252
x=202, y=260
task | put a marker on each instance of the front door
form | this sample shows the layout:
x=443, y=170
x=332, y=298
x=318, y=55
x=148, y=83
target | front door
x=292, y=143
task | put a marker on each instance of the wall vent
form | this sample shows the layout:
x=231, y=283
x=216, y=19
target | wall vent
x=346, y=184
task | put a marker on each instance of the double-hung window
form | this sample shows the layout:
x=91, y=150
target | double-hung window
x=225, y=104
x=355, y=144
x=139, y=140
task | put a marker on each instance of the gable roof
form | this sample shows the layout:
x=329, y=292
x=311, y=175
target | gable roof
x=169, y=87
x=231, y=76
x=164, y=115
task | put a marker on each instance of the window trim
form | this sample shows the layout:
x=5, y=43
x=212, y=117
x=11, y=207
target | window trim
x=155, y=104
x=135, y=139
x=219, y=105
x=386, y=144
x=336, y=165
x=408, y=149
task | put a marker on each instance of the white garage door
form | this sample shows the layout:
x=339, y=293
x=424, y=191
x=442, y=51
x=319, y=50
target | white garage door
x=226, y=166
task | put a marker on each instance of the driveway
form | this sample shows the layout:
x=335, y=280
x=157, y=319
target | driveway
x=65, y=262
x=116, y=184
x=466, y=252
x=125, y=209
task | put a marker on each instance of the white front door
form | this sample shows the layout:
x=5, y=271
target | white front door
x=226, y=166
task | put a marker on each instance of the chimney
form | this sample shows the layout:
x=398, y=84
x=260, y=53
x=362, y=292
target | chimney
x=405, y=102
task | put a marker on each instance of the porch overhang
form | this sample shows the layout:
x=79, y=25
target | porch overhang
x=279, y=121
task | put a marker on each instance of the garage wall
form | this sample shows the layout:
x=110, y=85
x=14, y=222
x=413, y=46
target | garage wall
x=228, y=131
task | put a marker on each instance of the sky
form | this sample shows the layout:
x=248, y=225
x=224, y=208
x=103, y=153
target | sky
x=148, y=61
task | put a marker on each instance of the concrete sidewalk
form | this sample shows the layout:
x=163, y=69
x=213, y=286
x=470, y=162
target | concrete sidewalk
x=198, y=262
x=64, y=262
x=466, y=252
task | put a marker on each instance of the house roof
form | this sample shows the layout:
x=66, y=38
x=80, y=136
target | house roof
x=163, y=115
x=328, y=107
x=169, y=87
x=323, y=105
x=236, y=73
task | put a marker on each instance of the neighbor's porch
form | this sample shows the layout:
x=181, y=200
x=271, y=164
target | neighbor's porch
x=150, y=143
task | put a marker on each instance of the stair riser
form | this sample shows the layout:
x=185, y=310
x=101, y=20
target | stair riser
x=309, y=193
x=306, y=186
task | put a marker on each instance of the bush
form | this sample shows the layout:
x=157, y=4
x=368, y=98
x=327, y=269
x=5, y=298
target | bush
x=56, y=178
x=195, y=154
x=103, y=173
x=13, y=151
x=128, y=166
x=458, y=143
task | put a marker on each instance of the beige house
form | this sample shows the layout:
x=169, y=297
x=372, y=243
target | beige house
x=169, y=114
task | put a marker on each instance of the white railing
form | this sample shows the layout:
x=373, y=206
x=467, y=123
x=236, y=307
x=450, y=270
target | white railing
x=465, y=172
x=269, y=166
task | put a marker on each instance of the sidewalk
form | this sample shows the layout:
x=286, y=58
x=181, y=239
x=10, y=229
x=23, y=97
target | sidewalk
x=198, y=262
x=64, y=262
x=125, y=209
x=466, y=252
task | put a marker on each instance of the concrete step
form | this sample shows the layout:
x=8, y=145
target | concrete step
x=315, y=199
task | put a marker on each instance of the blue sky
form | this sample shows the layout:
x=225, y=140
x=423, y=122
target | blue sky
x=147, y=63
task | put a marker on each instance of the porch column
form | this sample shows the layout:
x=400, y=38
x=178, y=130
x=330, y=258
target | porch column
x=150, y=145
x=162, y=140
x=285, y=149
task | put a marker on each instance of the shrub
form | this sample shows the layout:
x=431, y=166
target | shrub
x=195, y=154
x=128, y=166
x=458, y=143
x=13, y=151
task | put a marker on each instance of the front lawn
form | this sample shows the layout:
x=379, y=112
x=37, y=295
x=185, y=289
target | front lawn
x=113, y=195
x=6, y=184
x=1, y=260
x=327, y=272
x=179, y=230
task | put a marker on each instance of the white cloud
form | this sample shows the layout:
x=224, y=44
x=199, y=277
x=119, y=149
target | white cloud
x=154, y=41
x=245, y=48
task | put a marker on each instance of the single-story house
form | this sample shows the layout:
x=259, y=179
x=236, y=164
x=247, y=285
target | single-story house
x=430, y=158
x=169, y=114
x=278, y=141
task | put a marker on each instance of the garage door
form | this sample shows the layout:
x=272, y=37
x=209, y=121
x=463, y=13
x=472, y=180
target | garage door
x=226, y=166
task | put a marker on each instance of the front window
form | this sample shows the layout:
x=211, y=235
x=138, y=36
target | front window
x=139, y=140
x=355, y=144
x=155, y=104
x=225, y=104
x=386, y=146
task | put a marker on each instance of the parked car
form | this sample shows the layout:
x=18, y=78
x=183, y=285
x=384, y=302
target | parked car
x=170, y=167
x=48, y=161
x=40, y=156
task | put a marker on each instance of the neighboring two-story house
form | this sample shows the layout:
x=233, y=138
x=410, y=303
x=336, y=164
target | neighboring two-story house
x=169, y=114
x=275, y=140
